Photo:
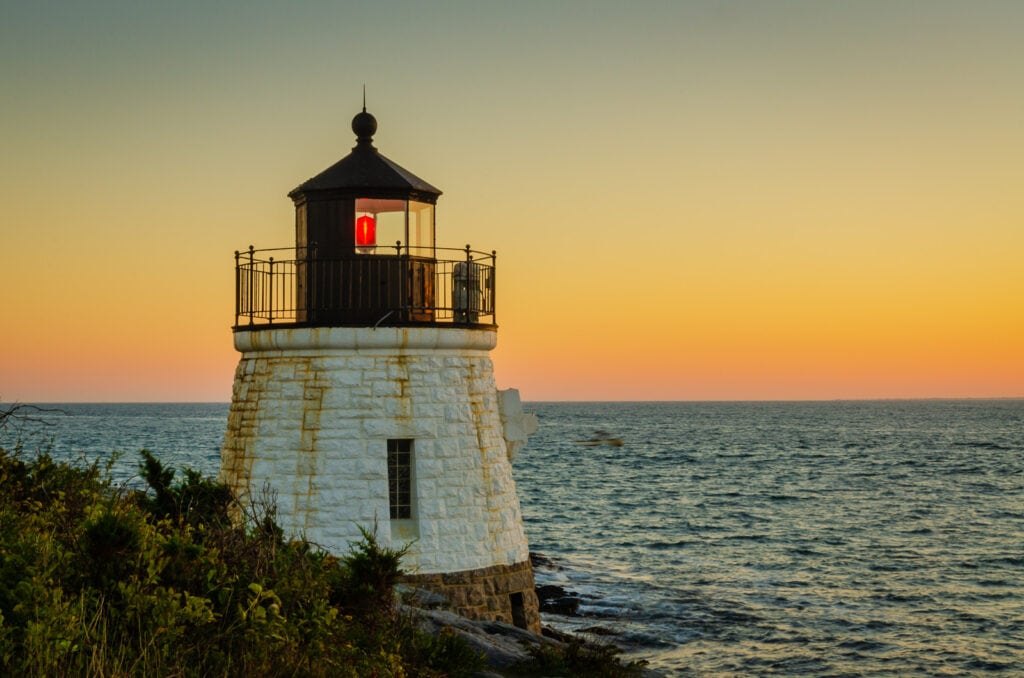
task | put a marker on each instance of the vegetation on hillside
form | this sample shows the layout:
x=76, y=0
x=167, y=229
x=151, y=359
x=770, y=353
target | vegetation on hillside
x=97, y=582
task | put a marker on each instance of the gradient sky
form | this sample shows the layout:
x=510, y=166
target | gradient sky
x=689, y=200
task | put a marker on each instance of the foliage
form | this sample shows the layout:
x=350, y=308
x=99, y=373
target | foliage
x=446, y=654
x=579, y=658
x=370, y=574
x=163, y=582
x=196, y=500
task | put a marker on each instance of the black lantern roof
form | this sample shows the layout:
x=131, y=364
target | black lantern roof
x=366, y=173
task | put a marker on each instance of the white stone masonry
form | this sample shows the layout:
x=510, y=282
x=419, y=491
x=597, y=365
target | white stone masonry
x=311, y=415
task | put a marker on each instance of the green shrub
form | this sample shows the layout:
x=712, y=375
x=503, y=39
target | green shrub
x=447, y=653
x=579, y=658
x=197, y=500
x=109, y=548
x=371, y=572
x=95, y=582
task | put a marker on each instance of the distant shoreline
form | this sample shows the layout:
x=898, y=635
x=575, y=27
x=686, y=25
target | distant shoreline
x=565, y=402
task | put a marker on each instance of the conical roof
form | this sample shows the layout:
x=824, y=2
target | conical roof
x=365, y=172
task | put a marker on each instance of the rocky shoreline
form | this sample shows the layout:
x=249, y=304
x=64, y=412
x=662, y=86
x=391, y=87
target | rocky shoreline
x=506, y=646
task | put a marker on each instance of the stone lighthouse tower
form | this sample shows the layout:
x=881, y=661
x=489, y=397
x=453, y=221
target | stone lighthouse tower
x=365, y=395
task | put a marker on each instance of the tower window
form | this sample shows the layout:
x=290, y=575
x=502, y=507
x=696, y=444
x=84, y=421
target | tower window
x=400, y=478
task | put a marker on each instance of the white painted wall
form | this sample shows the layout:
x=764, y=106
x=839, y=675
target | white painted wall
x=311, y=414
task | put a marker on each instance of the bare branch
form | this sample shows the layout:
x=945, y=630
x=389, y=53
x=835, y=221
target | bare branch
x=25, y=413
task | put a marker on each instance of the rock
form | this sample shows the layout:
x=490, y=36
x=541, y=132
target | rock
x=504, y=645
x=421, y=598
x=539, y=560
x=600, y=631
x=557, y=600
x=550, y=592
x=555, y=634
x=567, y=607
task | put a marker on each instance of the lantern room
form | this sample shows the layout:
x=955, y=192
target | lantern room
x=365, y=254
x=365, y=204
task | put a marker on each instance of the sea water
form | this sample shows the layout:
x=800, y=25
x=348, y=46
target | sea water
x=813, y=538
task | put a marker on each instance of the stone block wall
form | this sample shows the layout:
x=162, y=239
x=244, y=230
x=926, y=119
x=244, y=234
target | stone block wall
x=311, y=413
x=486, y=594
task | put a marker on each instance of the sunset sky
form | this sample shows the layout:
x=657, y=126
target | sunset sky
x=689, y=200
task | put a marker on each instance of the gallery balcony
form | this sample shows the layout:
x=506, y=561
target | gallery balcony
x=375, y=287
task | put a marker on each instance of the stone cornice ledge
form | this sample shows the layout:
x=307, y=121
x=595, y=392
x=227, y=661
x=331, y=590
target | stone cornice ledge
x=365, y=339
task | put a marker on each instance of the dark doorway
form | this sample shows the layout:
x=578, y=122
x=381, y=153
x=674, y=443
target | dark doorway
x=518, y=610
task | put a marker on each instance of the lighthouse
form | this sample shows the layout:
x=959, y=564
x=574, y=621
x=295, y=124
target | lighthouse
x=365, y=396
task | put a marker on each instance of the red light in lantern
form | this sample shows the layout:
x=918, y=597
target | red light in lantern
x=366, y=231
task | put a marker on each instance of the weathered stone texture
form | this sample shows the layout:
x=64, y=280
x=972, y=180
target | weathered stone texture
x=485, y=594
x=310, y=417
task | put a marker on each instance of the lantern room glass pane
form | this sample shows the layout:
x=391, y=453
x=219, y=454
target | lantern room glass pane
x=421, y=229
x=390, y=220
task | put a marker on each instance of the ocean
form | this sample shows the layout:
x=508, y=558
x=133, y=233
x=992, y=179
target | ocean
x=850, y=538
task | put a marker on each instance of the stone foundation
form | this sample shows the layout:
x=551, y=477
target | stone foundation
x=502, y=593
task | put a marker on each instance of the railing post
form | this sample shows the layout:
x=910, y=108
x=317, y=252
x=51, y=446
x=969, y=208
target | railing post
x=270, y=294
x=404, y=285
x=313, y=283
x=238, y=291
x=252, y=302
x=472, y=299
x=494, y=287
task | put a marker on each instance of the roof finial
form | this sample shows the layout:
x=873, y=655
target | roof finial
x=364, y=125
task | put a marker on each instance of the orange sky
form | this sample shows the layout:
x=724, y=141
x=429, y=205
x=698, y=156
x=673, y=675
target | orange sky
x=734, y=200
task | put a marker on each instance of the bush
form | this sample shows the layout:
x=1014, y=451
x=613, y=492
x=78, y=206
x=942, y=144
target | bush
x=579, y=658
x=197, y=500
x=97, y=582
x=370, y=574
x=446, y=653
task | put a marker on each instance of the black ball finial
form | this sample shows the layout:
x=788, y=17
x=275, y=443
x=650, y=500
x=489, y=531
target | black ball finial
x=365, y=126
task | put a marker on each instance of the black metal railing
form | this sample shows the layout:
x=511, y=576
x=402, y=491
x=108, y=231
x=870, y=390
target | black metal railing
x=391, y=287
